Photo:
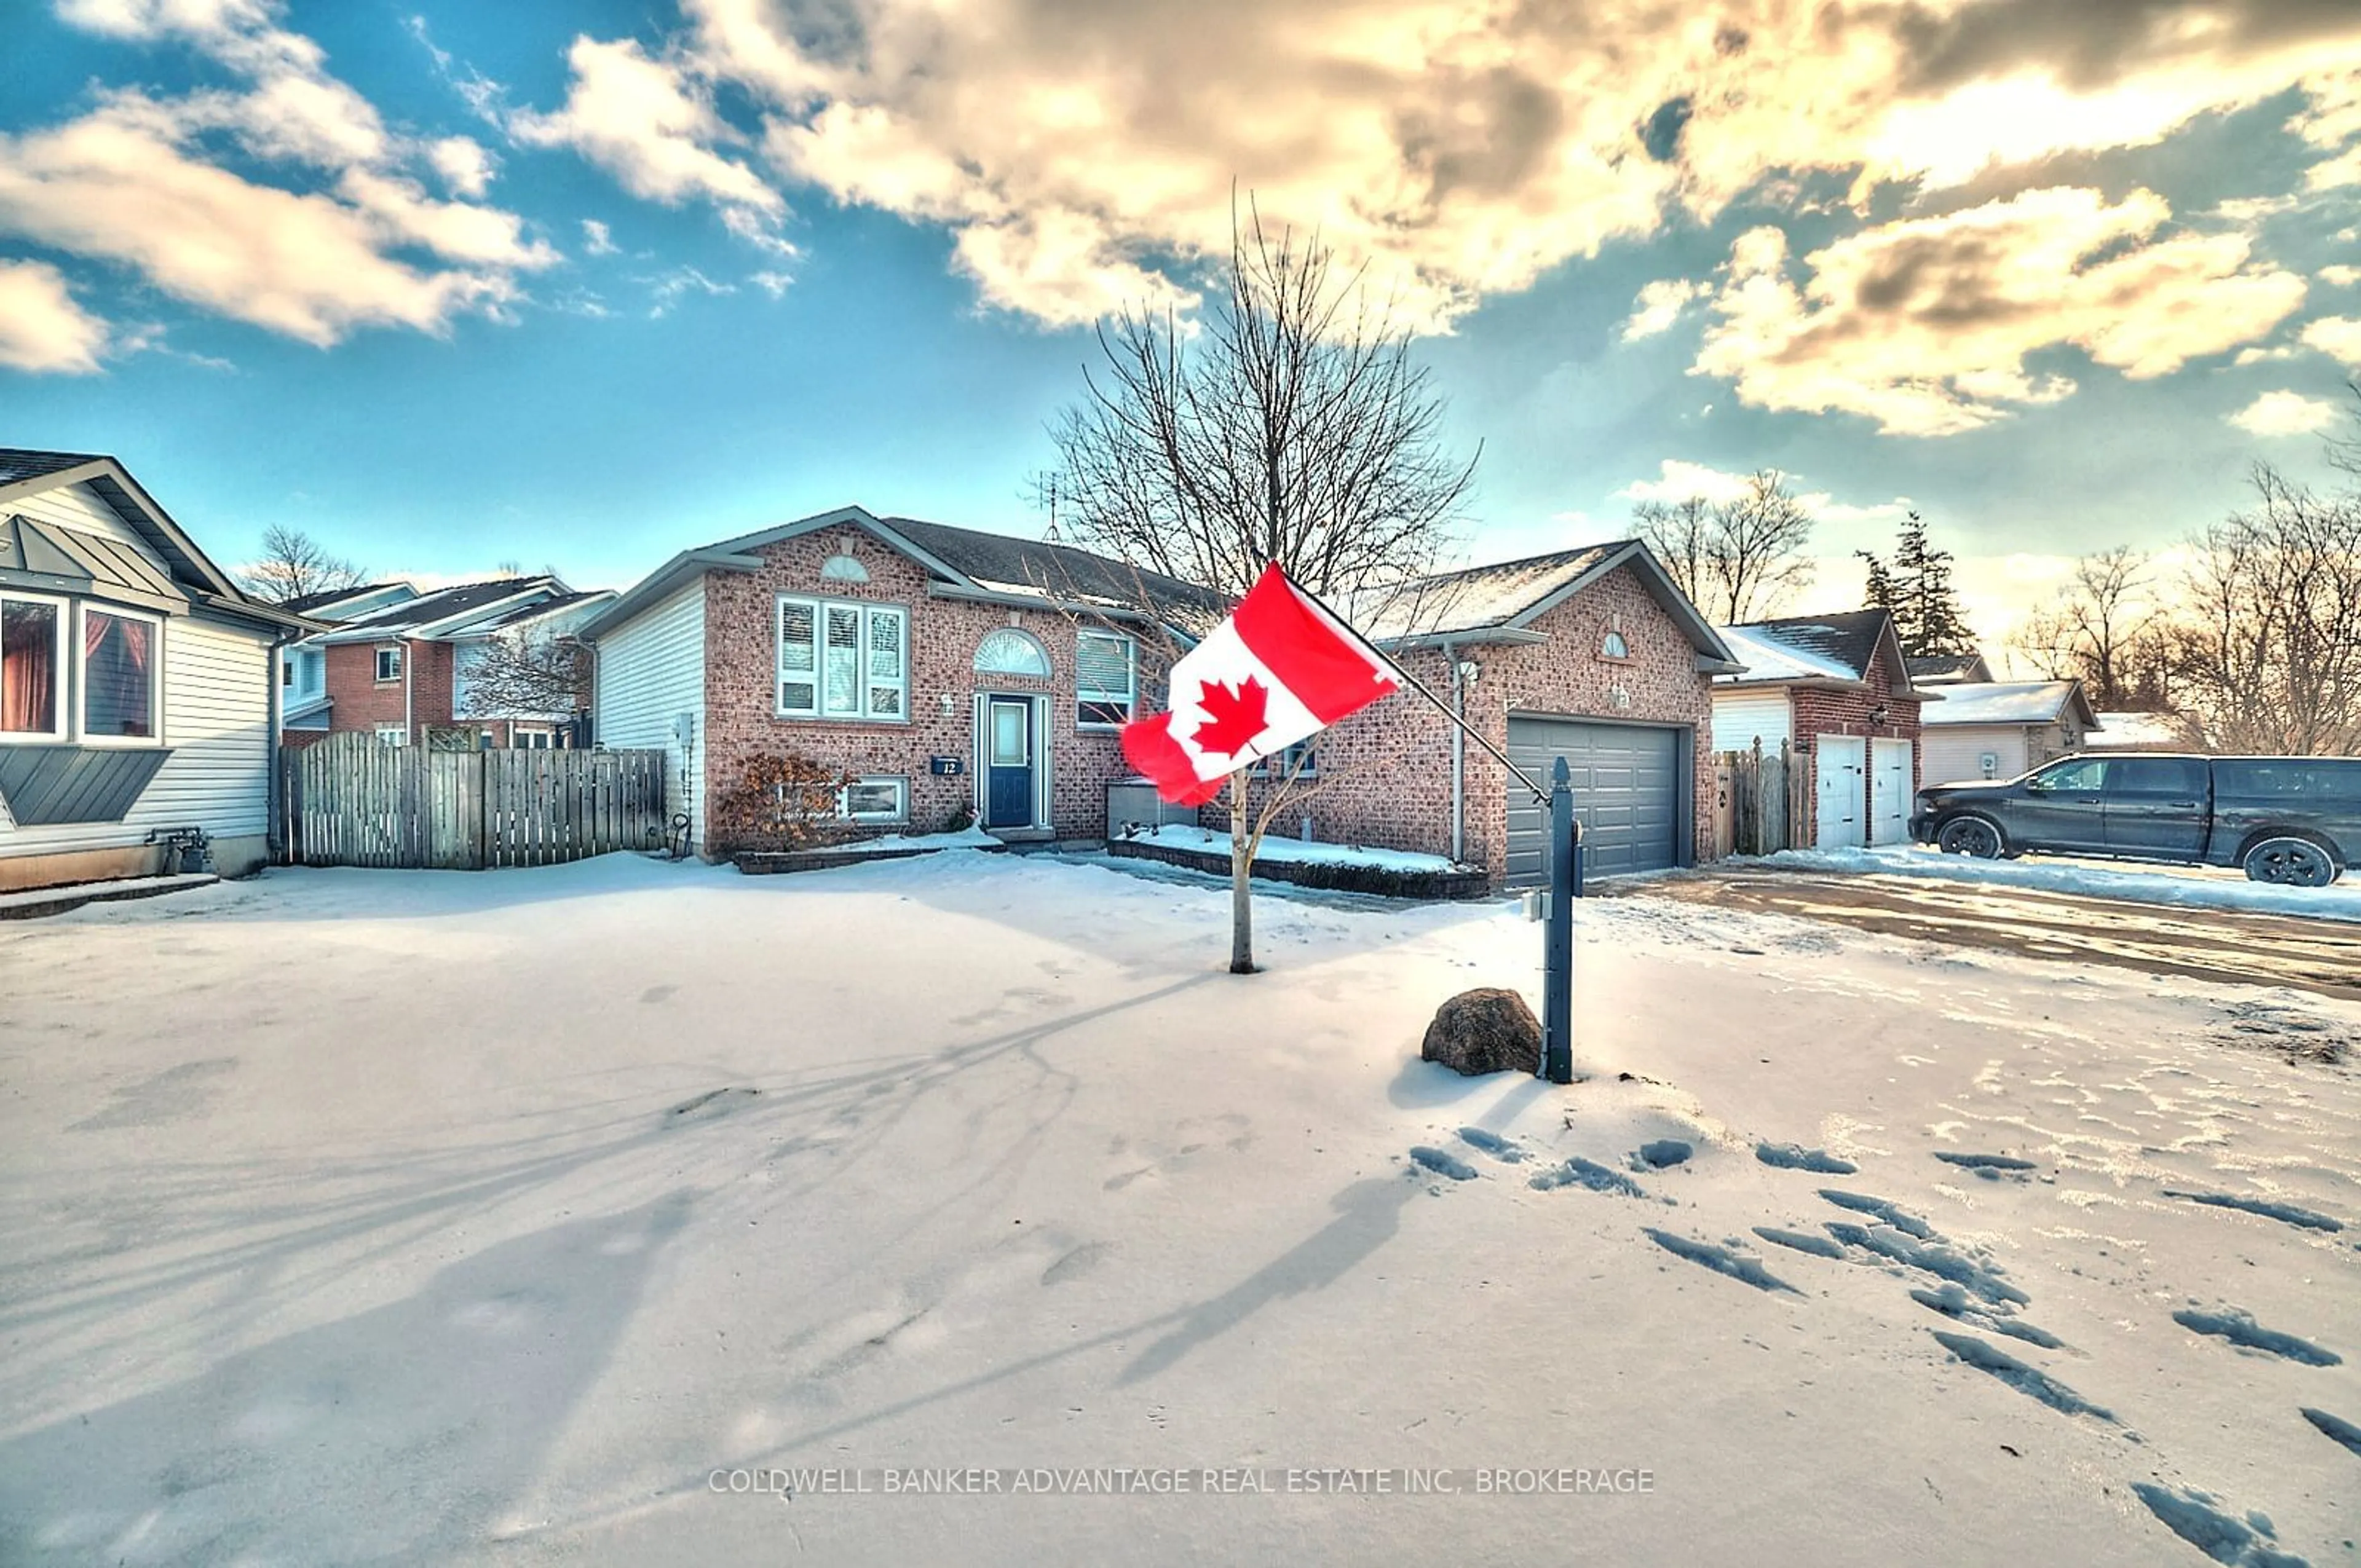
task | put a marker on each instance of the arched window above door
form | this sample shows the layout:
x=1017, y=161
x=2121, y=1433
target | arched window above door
x=1008, y=652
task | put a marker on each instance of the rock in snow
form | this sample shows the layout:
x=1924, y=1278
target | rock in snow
x=1486, y=1030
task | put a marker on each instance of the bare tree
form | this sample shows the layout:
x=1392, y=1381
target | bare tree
x=522, y=677
x=1738, y=561
x=2105, y=628
x=2268, y=651
x=293, y=565
x=1289, y=425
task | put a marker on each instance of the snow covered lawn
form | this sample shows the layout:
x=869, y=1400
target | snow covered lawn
x=524, y=1217
x=2202, y=887
x=1296, y=851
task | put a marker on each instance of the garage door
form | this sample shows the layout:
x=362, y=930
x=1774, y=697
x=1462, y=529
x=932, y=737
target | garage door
x=1628, y=791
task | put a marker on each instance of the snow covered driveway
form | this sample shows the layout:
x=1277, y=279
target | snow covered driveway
x=2221, y=945
x=571, y=1215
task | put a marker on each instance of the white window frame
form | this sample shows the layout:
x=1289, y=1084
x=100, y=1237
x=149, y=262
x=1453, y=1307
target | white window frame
x=398, y=654
x=901, y=787
x=1130, y=697
x=62, y=672
x=867, y=683
x=84, y=609
x=392, y=735
x=546, y=733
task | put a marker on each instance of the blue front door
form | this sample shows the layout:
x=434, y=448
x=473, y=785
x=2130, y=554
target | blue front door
x=1008, y=759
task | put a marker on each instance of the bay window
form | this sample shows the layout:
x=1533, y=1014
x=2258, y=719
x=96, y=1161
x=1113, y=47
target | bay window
x=840, y=659
x=118, y=676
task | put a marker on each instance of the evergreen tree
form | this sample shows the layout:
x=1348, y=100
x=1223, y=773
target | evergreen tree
x=1916, y=590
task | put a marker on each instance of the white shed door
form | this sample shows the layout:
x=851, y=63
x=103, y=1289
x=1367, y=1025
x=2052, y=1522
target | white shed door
x=1843, y=790
x=1889, y=792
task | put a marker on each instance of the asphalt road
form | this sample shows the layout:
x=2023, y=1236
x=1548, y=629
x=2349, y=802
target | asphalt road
x=2228, y=945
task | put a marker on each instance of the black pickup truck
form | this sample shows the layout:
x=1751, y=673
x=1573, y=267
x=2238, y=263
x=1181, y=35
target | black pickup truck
x=2284, y=819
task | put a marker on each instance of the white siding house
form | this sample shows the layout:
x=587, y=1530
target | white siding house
x=137, y=681
x=2000, y=729
x=650, y=687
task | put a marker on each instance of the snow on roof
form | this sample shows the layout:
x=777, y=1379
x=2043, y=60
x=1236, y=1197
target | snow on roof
x=1471, y=599
x=2001, y=702
x=2137, y=729
x=1769, y=658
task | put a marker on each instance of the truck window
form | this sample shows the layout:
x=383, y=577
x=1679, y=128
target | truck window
x=2080, y=776
x=2163, y=778
x=2290, y=779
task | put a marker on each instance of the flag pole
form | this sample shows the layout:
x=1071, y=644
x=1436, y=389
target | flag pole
x=1539, y=795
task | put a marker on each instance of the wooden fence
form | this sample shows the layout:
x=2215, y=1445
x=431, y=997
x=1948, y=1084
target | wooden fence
x=353, y=801
x=1761, y=800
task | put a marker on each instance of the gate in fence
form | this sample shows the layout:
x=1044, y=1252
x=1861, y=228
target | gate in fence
x=353, y=801
x=1764, y=809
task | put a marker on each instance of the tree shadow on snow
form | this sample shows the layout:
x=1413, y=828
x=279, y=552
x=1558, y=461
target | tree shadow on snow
x=397, y=1434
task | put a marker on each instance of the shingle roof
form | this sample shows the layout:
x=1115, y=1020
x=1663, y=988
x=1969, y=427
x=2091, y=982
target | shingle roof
x=1848, y=639
x=1003, y=561
x=440, y=605
x=1473, y=599
x=2003, y=702
x=1946, y=666
x=538, y=608
x=303, y=603
x=18, y=463
x=1769, y=657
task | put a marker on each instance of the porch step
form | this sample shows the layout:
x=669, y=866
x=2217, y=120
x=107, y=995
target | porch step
x=34, y=902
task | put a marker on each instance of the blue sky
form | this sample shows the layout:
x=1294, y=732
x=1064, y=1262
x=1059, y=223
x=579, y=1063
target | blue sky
x=452, y=285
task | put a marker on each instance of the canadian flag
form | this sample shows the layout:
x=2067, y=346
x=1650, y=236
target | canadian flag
x=1281, y=669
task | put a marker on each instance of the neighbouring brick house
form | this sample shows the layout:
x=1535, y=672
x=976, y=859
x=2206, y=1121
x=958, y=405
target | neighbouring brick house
x=1837, y=691
x=955, y=676
x=398, y=668
x=1592, y=654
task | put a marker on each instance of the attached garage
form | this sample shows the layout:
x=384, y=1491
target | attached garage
x=1632, y=794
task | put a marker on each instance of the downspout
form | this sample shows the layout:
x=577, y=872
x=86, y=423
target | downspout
x=1458, y=758
x=274, y=825
x=409, y=661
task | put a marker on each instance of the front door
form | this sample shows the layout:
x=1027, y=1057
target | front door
x=1008, y=762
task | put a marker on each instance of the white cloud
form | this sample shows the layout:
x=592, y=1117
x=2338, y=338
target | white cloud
x=465, y=167
x=1462, y=148
x=2339, y=337
x=140, y=181
x=668, y=288
x=1678, y=479
x=2339, y=276
x=597, y=239
x=1659, y=305
x=648, y=122
x=1925, y=326
x=41, y=327
x=775, y=284
x=2285, y=413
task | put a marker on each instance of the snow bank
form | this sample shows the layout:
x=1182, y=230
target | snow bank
x=1295, y=851
x=2200, y=887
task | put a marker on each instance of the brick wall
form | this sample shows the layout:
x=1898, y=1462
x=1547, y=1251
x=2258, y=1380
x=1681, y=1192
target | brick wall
x=740, y=693
x=1385, y=773
x=358, y=700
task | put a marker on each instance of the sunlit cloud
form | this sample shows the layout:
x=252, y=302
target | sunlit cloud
x=1659, y=305
x=41, y=327
x=2285, y=413
x=2339, y=337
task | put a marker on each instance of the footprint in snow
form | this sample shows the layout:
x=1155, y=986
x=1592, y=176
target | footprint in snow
x=2240, y=1329
x=1577, y=1171
x=1720, y=1259
x=2193, y=1515
x=2334, y=1428
x=2025, y=1379
x=2286, y=1214
x=1493, y=1144
x=1796, y=1157
x=1442, y=1164
x=1664, y=1154
x=1799, y=1240
x=1989, y=1167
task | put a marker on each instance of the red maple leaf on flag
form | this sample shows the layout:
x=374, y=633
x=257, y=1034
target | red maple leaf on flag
x=1232, y=717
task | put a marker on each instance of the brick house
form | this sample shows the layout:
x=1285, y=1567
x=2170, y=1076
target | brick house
x=953, y=675
x=1592, y=654
x=957, y=675
x=396, y=666
x=1835, y=690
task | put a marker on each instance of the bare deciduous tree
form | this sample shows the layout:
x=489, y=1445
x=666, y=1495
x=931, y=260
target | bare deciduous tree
x=2106, y=628
x=293, y=565
x=2267, y=648
x=518, y=676
x=1737, y=561
x=1289, y=425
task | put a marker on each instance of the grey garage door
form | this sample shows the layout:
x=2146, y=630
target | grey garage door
x=1627, y=795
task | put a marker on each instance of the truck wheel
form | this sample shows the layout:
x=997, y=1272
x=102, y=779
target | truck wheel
x=2290, y=863
x=1972, y=836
